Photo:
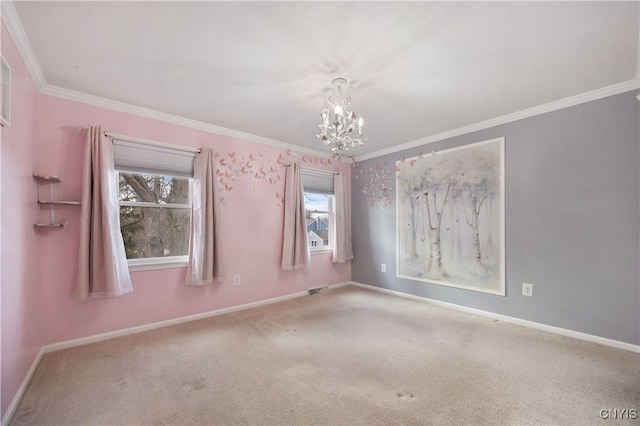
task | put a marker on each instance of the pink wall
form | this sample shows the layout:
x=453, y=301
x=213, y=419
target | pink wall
x=252, y=227
x=20, y=245
x=38, y=268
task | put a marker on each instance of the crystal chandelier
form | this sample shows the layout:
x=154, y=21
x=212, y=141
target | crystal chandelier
x=341, y=128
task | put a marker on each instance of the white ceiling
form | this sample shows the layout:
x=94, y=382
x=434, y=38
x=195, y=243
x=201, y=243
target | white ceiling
x=416, y=69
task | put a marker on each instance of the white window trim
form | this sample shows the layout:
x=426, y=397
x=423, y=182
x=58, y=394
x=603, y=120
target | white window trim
x=151, y=263
x=320, y=250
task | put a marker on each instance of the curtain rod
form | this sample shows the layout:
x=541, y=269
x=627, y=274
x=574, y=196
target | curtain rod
x=148, y=141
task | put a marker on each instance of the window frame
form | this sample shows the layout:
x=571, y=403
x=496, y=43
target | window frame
x=332, y=223
x=164, y=262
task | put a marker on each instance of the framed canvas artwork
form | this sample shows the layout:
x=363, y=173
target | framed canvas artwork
x=450, y=217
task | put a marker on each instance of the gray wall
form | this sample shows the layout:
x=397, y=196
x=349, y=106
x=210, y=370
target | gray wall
x=572, y=221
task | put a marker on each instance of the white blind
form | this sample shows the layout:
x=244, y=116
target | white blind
x=145, y=158
x=317, y=181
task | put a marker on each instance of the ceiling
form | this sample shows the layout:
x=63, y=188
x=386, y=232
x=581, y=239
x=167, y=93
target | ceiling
x=416, y=69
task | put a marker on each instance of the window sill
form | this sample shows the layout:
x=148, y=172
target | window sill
x=321, y=250
x=157, y=263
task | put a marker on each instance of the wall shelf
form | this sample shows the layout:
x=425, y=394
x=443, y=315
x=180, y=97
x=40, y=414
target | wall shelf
x=59, y=203
x=49, y=225
x=43, y=179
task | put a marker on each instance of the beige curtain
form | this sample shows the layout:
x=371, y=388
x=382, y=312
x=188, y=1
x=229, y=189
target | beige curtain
x=295, y=249
x=102, y=262
x=342, y=249
x=205, y=254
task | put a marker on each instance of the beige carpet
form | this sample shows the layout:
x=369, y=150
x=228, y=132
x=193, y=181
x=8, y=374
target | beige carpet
x=345, y=356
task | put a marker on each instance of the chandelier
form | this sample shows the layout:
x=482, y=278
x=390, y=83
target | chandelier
x=341, y=127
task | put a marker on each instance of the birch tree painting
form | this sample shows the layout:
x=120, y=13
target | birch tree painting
x=450, y=213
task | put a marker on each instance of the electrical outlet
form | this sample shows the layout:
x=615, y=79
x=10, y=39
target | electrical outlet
x=383, y=267
x=527, y=289
x=236, y=279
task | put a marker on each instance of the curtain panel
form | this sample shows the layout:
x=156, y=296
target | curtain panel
x=205, y=247
x=342, y=248
x=102, y=262
x=295, y=248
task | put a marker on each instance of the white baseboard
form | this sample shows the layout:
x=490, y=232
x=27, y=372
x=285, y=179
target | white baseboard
x=525, y=323
x=11, y=409
x=133, y=330
x=344, y=284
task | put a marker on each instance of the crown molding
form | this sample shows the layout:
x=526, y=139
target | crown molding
x=97, y=101
x=14, y=26
x=16, y=30
x=593, y=95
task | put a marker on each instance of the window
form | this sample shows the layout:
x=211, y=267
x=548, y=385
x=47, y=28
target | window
x=155, y=203
x=318, y=206
x=155, y=214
